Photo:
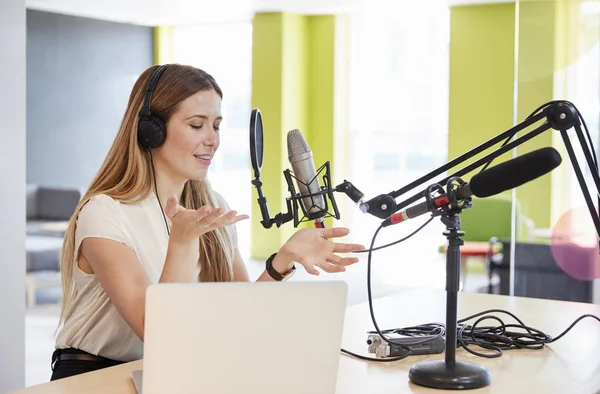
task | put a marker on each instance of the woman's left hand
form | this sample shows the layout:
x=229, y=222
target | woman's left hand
x=312, y=248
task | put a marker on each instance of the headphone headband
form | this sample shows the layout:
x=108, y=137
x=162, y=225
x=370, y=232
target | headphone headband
x=145, y=111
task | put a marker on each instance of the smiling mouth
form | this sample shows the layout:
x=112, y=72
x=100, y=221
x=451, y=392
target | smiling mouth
x=205, y=159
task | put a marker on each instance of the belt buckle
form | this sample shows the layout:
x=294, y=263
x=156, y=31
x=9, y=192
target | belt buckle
x=55, y=356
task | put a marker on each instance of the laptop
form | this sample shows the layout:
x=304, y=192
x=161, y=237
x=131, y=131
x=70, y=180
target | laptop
x=242, y=337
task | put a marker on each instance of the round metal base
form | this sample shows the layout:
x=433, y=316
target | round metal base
x=458, y=376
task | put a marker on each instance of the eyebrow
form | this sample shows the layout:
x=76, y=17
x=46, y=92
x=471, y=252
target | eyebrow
x=203, y=117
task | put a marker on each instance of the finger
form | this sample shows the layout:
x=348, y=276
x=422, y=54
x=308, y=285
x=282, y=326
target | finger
x=331, y=268
x=335, y=232
x=210, y=218
x=202, y=212
x=334, y=259
x=240, y=217
x=310, y=269
x=345, y=261
x=335, y=264
x=236, y=219
x=347, y=248
x=230, y=217
x=171, y=206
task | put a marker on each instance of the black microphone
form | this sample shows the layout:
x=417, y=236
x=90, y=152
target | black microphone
x=305, y=172
x=515, y=172
x=495, y=180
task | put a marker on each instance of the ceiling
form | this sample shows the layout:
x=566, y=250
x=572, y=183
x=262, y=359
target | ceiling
x=187, y=12
x=184, y=12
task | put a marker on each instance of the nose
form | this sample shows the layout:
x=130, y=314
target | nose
x=212, y=138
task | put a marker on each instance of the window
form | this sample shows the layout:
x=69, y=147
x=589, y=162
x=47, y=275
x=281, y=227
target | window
x=225, y=51
x=398, y=126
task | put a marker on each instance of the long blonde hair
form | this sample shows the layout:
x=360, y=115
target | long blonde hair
x=126, y=175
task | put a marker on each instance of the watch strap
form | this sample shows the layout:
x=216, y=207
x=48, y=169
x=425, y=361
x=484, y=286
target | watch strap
x=273, y=272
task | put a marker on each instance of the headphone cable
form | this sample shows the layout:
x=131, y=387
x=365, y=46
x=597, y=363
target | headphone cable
x=156, y=191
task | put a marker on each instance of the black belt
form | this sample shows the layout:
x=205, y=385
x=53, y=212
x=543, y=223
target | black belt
x=71, y=354
x=82, y=357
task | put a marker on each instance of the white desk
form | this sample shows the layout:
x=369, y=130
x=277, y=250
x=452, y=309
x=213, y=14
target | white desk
x=570, y=365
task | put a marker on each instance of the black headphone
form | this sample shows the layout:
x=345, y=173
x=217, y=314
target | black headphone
x=152, y=131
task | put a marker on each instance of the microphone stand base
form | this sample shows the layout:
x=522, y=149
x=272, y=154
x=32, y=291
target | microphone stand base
x=439, y=374
x=449, y=373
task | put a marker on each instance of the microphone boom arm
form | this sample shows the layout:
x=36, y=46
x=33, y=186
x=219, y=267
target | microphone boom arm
x=560, y=115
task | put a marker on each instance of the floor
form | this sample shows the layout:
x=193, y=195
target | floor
x=388, y=276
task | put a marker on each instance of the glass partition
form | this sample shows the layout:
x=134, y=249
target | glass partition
x=557, y=58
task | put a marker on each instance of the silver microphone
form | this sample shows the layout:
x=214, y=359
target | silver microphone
x=303, y=166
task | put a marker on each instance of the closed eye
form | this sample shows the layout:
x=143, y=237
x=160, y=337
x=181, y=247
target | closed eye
x=217, y=128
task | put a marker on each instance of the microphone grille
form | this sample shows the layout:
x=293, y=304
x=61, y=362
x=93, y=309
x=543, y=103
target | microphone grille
x=296, y=143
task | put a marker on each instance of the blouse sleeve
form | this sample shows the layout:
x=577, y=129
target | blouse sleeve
x=100, y=217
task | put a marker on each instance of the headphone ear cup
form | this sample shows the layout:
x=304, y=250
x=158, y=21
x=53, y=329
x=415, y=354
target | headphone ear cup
x=151, y=132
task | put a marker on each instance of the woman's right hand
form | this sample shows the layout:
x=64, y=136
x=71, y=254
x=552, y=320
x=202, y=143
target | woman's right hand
x=189, y=224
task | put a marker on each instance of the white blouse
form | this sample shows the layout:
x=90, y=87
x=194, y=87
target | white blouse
x=95, y=326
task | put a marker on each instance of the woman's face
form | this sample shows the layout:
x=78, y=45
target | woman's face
x=192, y=136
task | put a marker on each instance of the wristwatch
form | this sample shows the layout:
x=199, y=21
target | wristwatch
x=276, y=275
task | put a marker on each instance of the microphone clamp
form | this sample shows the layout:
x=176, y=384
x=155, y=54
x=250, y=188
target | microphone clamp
x=381, y=206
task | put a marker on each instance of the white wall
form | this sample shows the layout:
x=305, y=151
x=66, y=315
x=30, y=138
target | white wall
x=12, y=195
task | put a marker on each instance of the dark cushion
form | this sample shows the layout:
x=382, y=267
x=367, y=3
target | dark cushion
x=43, y=260
x=56, y=203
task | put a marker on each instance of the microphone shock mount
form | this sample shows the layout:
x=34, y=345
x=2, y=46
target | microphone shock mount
x=295, y=199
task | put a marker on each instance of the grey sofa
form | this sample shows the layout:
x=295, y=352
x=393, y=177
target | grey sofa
x=48, y=212
x=49, y=209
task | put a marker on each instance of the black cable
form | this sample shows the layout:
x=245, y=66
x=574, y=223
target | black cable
x=506, y=141
x=501, y=337
x=370, y=296
x=395, y=242
x=437, y=334
x=493, y=338
x=496, y=338
x=423, y=329
x=587, y=132
x=540, y=108
x=590, y=142
x=156, y=191
x=510, y=137
x=370, y=250
x=589, y=137
x=379, y=360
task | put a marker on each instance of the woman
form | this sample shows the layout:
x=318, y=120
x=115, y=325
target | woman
x=120, y=240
